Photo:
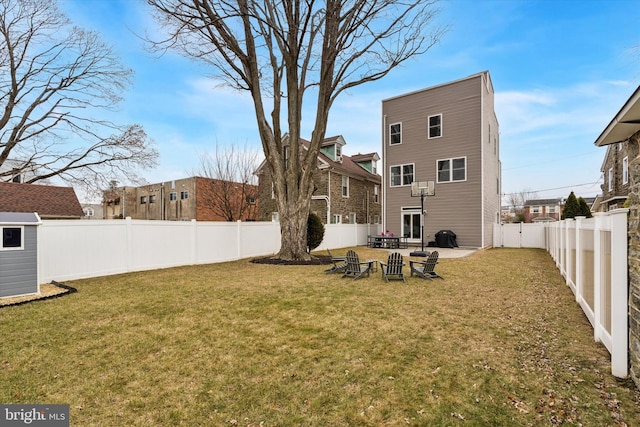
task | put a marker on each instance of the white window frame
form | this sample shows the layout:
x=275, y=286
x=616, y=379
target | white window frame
x=143, y=200
x=184, y=194
x=535, y=209
x=275, y=216
x=398, y=133
x=336, y=219
x=376, y=193
x=402, y=175
x=173, y=196
x=345, y=186
x=451, y=178
x=352, y=218
x=610, y=180
x=625, y=170
x=88, y=211
x=16, y=248
x=438, y=126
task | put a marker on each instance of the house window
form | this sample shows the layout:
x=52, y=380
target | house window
x=352, y=217
x=275, y=217
x=184, y=195
x=173, y=196
x=401, y=175
x=435, y=126
x=376, y=219
x=452, y=169
x=143, y=200
x=251, y=200
x=336, y=219
x=88, y=212
x=535, y=210
x=376, y=195
x=610, y=176
x=345, y=186
x=152, y=199
x=625, y=170
x=12, y=238
x=395, y=134
x=338, y=153
x=551, y=209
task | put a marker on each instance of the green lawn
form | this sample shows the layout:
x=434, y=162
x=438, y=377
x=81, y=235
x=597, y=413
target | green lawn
x=500, y=341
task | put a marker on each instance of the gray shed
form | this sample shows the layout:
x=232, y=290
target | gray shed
x=19, y=254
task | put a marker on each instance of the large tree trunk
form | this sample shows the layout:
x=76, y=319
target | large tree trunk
x=293, y=230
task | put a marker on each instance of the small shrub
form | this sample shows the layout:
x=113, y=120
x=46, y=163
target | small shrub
x=315, y=231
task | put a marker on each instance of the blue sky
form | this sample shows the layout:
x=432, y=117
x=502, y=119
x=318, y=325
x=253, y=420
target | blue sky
x=560, y=69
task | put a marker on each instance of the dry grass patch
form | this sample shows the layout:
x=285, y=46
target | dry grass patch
x=499, y=342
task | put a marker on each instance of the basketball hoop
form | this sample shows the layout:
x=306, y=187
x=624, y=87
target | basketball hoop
x=422, y=189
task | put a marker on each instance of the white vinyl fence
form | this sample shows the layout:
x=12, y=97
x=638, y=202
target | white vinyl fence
x=591, y=255
x=72, y=249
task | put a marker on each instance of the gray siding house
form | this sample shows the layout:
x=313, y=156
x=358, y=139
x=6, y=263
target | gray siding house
x=447, y=134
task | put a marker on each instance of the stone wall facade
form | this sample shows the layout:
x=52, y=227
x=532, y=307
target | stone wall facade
x=361, y=201
x=614, y=188
x=633, y=151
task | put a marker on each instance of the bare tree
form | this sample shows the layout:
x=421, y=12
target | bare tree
x=517, y=201
x=233, y=191
x=53, y=77
x=281, y=50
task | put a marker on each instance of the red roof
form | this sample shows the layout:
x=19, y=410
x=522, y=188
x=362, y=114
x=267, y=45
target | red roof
x=48, y=201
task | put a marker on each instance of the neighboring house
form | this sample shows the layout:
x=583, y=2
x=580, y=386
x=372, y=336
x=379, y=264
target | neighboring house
x=347, y=187
x=508, y=214
x=92, y=211
x=543, y=210
x=181, y=200
x=447, y=134
x=13, y=171
x=615, y=169
x=48, y=201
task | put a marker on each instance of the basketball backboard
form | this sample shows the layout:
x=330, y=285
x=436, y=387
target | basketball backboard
x=426, y=188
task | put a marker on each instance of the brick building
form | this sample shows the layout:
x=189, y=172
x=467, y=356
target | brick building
x=202, y=199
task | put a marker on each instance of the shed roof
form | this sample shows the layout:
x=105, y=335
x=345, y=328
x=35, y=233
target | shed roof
x=48, y=201
x=19, y=218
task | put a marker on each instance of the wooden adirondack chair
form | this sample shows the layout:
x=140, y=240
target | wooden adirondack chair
x=425, y=269
x=355, y=268
x=393, y=268
x=339, y=264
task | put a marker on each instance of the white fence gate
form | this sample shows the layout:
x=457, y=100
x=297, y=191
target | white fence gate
x=591, y=255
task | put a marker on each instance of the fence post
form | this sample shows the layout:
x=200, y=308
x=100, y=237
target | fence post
x=567, y=252
x=619, y=294
x=239, y=251
x=194, y=242
x=578, y=282
x=598, y=289
x=128, y=224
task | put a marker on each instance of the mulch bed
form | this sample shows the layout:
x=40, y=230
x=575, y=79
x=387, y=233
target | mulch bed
x=315, y=260
x=47, y=291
